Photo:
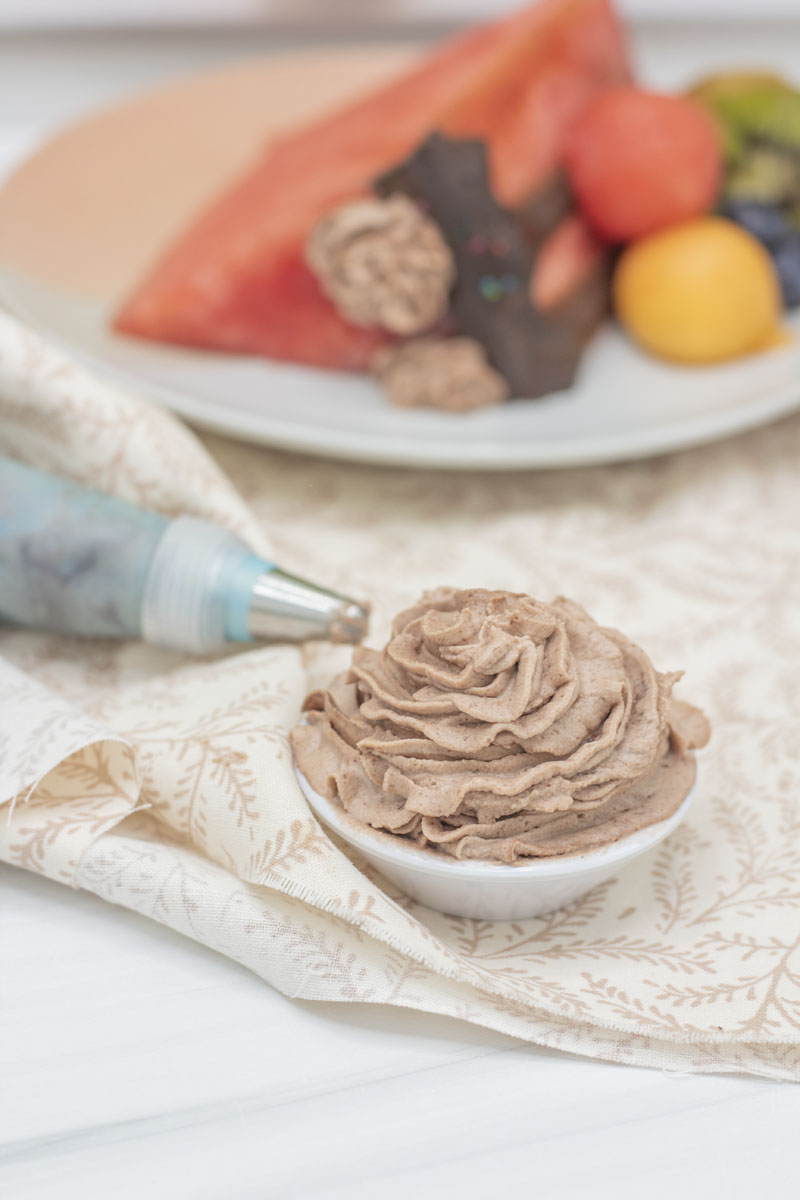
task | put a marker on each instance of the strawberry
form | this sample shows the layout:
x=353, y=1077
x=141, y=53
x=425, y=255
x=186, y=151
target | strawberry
x=639, y=161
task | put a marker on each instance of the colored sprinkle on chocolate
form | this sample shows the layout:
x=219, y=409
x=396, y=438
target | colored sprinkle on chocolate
x=491, y=288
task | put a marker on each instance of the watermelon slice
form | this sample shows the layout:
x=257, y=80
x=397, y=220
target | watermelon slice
x=237, y=279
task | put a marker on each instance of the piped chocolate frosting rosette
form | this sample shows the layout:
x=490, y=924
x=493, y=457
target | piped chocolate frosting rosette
x=493, y=726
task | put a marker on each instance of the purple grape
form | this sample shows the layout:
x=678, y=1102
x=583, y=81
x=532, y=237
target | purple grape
x=765, y=221
x=787, y=263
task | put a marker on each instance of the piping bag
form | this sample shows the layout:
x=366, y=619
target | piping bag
x=81, y=562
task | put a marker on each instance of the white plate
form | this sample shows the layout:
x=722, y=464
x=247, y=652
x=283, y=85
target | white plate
x=624, y=405
x=79, y=222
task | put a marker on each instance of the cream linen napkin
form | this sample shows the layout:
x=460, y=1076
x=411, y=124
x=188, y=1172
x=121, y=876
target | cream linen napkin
x=168, y=788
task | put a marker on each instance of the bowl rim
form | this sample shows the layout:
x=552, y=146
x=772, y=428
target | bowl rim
x=388, y=847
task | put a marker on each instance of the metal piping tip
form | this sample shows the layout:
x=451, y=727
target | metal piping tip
x=350, y=623
x=284, y=608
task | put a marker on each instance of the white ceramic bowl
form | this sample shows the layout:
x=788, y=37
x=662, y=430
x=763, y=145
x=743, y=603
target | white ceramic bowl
x=488, y=891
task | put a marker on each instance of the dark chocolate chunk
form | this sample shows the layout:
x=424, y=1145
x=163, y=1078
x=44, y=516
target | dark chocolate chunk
x=545, y=209
x=589, y=303
x=491, y=299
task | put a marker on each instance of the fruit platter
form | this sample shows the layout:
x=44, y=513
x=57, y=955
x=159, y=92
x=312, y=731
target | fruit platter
x=505, y=251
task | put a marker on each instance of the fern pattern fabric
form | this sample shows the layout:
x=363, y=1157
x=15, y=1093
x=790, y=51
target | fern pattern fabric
x=166, y=786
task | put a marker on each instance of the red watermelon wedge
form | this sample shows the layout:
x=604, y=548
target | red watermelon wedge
x=237, y=280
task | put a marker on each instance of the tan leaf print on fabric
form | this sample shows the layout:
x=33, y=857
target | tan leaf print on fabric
x=168, y=788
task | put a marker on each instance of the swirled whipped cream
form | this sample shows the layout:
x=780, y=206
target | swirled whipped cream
x=493, y=726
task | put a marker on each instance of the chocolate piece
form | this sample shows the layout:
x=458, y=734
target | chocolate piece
x=545, y=209
x=449, y=179
x=589, y=303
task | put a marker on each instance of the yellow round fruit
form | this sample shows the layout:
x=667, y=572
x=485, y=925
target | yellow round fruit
x=699, y=292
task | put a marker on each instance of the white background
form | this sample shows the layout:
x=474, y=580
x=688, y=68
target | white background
x=32, y=13
x=135, y=1065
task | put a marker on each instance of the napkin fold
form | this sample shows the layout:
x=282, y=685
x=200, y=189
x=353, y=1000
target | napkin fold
x=168, y=787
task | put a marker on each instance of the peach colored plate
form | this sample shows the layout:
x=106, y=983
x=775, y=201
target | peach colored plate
x=82, y=219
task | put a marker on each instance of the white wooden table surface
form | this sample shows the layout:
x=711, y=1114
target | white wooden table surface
x=136, y=1064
